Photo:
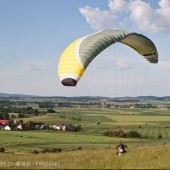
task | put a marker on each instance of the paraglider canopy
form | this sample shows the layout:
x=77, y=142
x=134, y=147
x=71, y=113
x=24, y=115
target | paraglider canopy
x=78, y=55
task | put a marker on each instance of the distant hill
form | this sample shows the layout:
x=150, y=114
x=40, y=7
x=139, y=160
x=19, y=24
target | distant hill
x=84, y=97
x=6, y=95
x=128, y=98
x=154, y=98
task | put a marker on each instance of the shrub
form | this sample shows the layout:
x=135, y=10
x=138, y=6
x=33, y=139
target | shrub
x=119, y=133
x=122, y=134
x=108, y=133
x=35, y=151
x=50, y=110
x=79, y=127
x=53, y=150
x=115, y=134
x=133, y=134
x=45, y=150
x=79, y=148
x=13, y=116
x=159, y=136
x=2, y=149
x=56, y=150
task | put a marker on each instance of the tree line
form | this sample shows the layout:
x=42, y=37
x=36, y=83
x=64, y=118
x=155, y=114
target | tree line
x=4, y=112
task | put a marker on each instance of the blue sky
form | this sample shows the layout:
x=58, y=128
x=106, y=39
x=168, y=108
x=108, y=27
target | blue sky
x=33, y=34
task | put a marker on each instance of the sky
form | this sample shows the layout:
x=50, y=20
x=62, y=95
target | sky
x=33, y=35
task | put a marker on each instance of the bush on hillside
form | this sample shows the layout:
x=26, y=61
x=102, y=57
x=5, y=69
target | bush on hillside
x=45, y=150
x=108, y=133
x=2, y=149
x=118, y=133
x=133, y=134
x=35, y=151
x=121, y=134
x=159, y=136
x=53, y=150
x=79, y=148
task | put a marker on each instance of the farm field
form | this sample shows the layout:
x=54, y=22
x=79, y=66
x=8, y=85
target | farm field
x=89, y=143
x=148, y=122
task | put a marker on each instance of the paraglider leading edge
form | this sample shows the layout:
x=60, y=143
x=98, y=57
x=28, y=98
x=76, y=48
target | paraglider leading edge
x=78, y=55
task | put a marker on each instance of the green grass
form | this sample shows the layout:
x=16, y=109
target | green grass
x=27, y=141
x=146, y=157
x=152, y=122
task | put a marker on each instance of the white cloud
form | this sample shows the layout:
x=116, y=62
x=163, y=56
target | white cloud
x=97, y=18
x=141, y=14
x=138, y=13
x=147, y=18
x=117, y=5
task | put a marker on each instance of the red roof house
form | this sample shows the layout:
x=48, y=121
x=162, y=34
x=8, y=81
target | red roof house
x=4, y=122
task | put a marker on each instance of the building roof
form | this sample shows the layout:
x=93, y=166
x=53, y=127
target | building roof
x=4, y=121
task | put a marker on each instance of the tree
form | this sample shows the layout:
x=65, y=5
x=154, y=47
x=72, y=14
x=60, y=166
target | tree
x=21, y=115
x=21, y=121
x=133, y=134
x=29, y=125
x=122, y=134
x=36, y=112
x=13, y=116
x=50, y=110
x=159, y=136
x=4, y=116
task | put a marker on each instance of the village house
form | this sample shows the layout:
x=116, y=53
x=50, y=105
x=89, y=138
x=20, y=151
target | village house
x=10, y=127
x=19, y=127
x=16, y=125
x=4, y=122
x=7, y=127
x=2, y=126
x=62, y=127
x=58, y=126
x=39, y=126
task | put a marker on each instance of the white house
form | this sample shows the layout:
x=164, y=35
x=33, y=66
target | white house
x=19, y=127
x=7, y=128
x=57, y=127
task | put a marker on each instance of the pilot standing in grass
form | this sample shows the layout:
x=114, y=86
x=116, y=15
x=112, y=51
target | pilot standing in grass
x=120, y=149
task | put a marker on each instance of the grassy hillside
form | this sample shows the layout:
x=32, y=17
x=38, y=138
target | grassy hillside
x=146, y=157
x=88, y=148
x=27, y=141
x=150, y=123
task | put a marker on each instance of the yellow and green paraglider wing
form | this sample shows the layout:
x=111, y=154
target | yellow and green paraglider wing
x=78, y=55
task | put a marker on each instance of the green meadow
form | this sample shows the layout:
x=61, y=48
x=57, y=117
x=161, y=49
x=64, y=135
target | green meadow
x=94, y=122
x=89, y=144
x=145, y=157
